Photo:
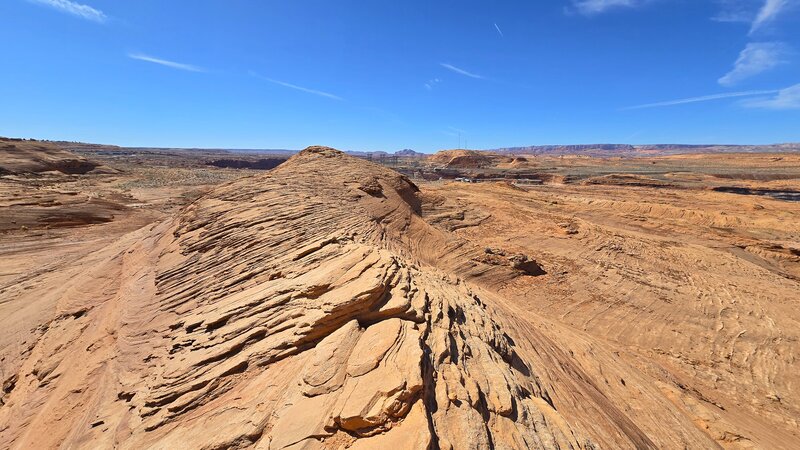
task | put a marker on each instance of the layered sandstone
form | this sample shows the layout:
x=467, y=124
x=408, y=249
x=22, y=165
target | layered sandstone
x=328, y=303
x=18, y=156
x=275, y=312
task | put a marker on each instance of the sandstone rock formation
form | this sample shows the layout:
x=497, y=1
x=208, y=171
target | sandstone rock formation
x=314, y=306
x=275, y=313
x=467, y=159
x=19, y=156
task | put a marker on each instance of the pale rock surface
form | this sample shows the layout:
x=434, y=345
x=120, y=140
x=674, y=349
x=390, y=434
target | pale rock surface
x=313, y=307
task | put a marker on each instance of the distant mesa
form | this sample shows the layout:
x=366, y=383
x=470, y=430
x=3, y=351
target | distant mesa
x=405, y=153
x=610, y=150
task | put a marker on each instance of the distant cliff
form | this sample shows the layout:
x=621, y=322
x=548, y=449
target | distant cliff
x=650, y=149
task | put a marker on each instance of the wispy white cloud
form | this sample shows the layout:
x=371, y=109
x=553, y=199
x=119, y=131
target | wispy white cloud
x=768, y=12
x=430, y=84
x=704, y=98
x=164, y=62
x=499, y=31
x=296, y=87
x=730, y=10
x=757, y=57
x=460, y=71
x=591, y=7
x=735, y=11
x=76, y=9
x=788, y=98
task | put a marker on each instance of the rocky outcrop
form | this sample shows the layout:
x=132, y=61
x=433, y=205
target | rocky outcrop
x=279, y=313
x=313, y=306
x=467, y=159
x=18, y=156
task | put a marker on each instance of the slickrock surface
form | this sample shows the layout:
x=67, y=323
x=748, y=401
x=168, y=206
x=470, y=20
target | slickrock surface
x=699, y=290
x=19, y=156
x=37, y=188
x=330, y=303
x=273, y=313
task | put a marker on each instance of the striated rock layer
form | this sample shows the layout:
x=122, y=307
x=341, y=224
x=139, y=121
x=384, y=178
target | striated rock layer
x=18, y=156
x=313, y=307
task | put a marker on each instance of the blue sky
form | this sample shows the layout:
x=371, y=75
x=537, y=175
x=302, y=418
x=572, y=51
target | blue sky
x=402, y=74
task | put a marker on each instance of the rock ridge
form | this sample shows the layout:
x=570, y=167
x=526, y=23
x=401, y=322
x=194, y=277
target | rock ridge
x=275, y=313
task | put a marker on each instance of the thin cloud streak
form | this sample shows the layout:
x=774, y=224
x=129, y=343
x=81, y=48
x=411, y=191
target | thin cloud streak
x=768, y=13
x=757, y=57
x=788, y=98
x=704, y=98
x=298, y=88
x=499, y=31
x=75, y=9
x=460, y=71
x=734, y=11
x=591, y=7
x=164, y=62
